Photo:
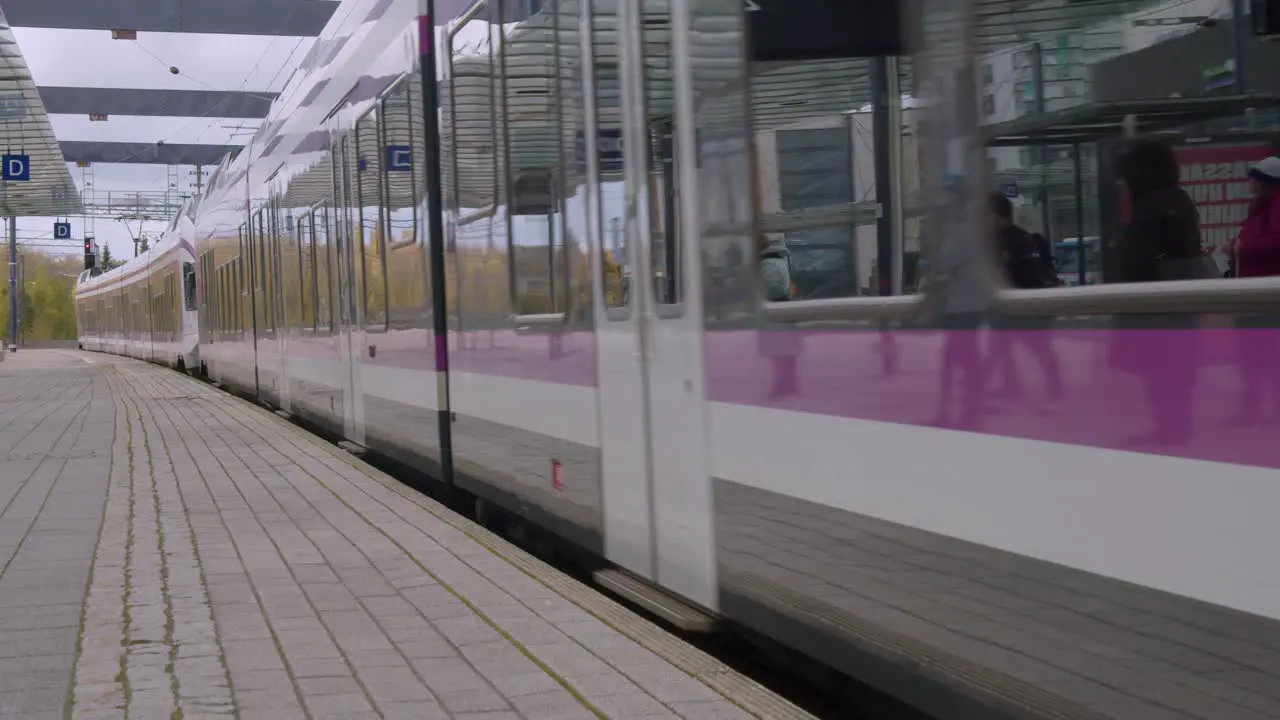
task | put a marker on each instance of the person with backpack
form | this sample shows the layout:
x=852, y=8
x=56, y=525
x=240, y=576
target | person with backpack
x=775, y=270
x=1160, y=242
x=782, y=345
x=1027, y=262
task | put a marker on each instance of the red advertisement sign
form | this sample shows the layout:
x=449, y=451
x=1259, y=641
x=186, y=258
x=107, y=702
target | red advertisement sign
x=1217, y=179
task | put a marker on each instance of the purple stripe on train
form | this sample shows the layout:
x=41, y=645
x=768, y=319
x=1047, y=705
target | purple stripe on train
x=1188, y=393
x=1209, y=394
x=568, y=358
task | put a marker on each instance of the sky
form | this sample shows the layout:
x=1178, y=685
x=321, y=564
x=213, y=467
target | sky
x=204, y=61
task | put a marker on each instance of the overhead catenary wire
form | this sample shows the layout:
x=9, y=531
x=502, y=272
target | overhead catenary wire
x=212, y=111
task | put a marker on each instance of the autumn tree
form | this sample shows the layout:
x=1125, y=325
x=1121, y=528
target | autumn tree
x=47, y=310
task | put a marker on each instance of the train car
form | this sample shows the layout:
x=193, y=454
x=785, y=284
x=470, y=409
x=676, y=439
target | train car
x=585, y=344
x=145, y=308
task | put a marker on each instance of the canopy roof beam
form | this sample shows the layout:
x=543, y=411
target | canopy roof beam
x=295, y=18
x=144, y=153
x=155, y=103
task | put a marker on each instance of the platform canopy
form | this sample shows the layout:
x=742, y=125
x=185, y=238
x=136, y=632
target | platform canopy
x=36, y=180
x=276, y=18
x=297, y=18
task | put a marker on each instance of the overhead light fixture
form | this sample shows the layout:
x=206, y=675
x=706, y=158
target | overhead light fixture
x=122, y=34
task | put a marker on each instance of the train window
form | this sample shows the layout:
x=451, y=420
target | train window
x=538, y=245
x=219, y=303
x=168, y=307
x=307, y=271
x=226, y=325
x=262, y=301
x=241, y=253
x=659, y=109
x=322, y=249
x=275, y=233
x=348, y=232
x=827, y=185
x=1078, y=195
x=243, y=309
x=405, y=261
x=188, y=286
x=607, y=194
x=371, y=268
x=203, y=321
x=208, y=300
x=478, y=285
x=216, y=293
x=285, y=290
x=571, y=96
x=343, y=233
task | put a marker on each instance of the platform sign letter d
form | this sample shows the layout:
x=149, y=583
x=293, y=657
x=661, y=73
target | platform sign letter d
x=17, y=168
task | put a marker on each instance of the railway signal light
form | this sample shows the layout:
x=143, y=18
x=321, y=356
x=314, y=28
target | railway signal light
x=90, y=259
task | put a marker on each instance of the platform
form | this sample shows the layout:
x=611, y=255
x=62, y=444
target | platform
x=170, y=551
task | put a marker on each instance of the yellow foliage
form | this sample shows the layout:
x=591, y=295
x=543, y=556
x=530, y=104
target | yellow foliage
x=47, y=312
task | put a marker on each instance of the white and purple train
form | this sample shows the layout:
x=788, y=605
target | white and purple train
x=579, y=338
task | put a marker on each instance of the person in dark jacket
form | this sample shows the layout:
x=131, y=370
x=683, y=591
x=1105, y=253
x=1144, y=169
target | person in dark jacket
x=1026, y=257
x=1025, y=267
x=1160, y=241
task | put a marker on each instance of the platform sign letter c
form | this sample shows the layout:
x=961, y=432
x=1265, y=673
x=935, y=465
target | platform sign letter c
x=399, y=158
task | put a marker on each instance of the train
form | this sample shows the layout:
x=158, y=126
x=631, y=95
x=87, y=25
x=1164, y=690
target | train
x=549, y=299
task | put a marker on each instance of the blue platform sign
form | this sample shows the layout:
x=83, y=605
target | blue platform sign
x=608, y=148
x=17, y=168
x=12, y=105
x=62, y=231
x=399, y=158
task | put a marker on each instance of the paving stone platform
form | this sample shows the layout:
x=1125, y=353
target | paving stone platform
x=170, y=551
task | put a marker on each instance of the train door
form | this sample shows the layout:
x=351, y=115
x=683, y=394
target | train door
x=345, y=244
x=657, y=501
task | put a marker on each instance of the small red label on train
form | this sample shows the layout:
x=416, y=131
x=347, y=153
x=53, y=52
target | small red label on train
x=557, y=481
